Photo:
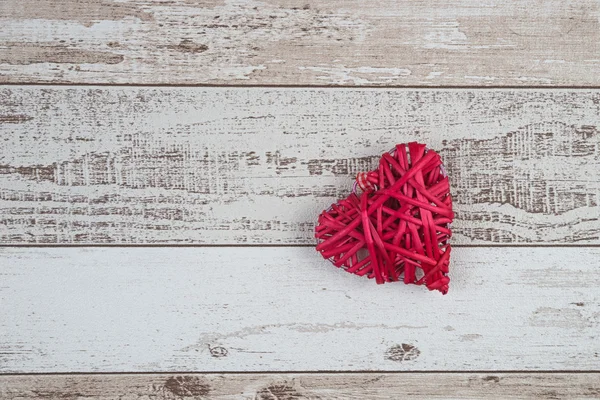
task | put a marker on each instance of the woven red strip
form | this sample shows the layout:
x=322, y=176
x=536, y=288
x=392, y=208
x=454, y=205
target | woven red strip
x=399, y=226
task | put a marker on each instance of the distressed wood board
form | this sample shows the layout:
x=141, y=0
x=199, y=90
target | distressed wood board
x=221, y=309
x=313, y=42
x=255, y=165
x=317, y=386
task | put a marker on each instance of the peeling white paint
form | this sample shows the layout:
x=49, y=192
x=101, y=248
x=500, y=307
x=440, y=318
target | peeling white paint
x=235, y=39
x=480, y=78
x=181, y=165
x=434, y=74
x=359, y=75
x=62, y=310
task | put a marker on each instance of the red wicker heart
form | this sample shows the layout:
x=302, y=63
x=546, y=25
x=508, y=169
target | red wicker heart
x=399, y=226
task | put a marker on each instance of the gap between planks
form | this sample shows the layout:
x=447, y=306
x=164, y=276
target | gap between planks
x=167, y=245
x=307, y=372
x=292, y=86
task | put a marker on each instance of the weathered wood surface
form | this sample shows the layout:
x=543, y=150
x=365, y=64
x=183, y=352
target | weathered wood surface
x=313, y=42
x=316, y=386
x=285, y=309
x=216, y=165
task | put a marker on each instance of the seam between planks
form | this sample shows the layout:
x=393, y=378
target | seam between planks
x=142, y=245
x=292, y=86
x=311, y=372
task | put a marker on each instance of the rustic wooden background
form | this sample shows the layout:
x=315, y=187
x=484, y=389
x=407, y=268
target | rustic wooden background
x=162, y=164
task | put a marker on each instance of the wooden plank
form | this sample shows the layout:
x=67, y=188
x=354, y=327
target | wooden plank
x=285, y=309
x=216, y=165
x=313, y=42
x=303, y=386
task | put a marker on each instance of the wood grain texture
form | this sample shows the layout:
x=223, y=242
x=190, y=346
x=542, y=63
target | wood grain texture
x=316, y=386
x=313, y=42
x=286, y=309
x=216, y=165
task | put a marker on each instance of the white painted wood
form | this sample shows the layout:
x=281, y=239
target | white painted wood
x=285, y=309
x=313, y=42
x=216, y=165
x=319, y=386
